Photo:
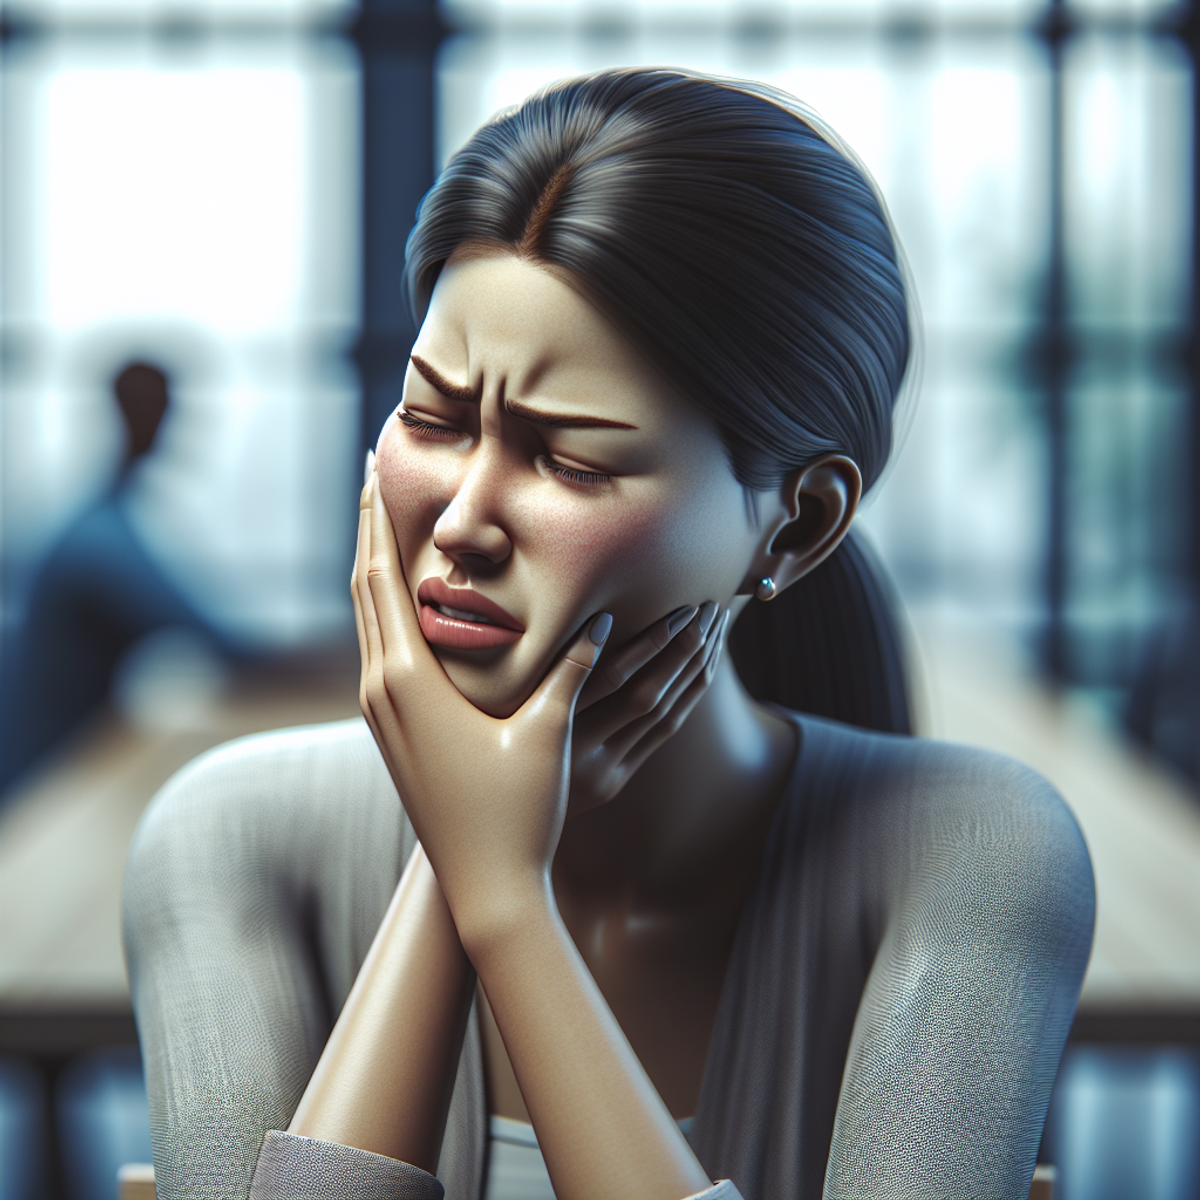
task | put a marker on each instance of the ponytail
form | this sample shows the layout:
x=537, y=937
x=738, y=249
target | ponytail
x=830, y=645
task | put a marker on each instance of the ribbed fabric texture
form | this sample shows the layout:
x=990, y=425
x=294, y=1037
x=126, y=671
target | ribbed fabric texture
x=898, y=996
x=300, y=1168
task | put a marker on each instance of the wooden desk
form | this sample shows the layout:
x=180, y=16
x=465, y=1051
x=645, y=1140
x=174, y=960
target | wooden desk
x=63, y=843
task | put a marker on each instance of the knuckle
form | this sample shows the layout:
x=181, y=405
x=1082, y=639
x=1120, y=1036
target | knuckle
x=660, y=637
x=375, y=689
x=675, y=719
x=644, y=699
x=609, y=677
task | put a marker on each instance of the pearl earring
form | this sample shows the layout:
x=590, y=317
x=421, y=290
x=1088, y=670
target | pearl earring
x=765, y=589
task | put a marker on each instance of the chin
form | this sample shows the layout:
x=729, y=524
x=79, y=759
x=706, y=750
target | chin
x=483, y=682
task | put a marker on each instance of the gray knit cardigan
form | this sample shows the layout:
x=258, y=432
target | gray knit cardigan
x=897, y=1000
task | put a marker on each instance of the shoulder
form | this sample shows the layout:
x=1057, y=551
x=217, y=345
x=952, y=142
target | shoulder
x=259, y=875
x=918, y=779
x=251, y=776
x=977, y=890
x=285, y=797
x=943, y=824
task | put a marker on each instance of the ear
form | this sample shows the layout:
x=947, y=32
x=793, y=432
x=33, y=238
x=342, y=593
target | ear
x=805, y=521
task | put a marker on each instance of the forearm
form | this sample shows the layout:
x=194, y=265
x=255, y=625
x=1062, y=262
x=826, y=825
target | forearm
x=384, y=1080
x=601, y=1125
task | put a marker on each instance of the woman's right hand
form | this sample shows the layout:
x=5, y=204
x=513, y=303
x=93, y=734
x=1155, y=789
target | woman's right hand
x=639, y=697
x=486, y=796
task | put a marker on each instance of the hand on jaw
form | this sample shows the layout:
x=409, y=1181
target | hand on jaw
x=487, y=798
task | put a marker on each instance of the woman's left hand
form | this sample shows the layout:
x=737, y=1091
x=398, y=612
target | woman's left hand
x=639, y=698
x=486, y=797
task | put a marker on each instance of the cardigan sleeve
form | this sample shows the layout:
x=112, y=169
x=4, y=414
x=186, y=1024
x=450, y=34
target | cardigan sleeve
x=723, y=1189
x=254, y=885
x=988, y=900
x=301, y=1168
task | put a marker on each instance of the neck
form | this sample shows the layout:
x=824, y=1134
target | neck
x=703, y=799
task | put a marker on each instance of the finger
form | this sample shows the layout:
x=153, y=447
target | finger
x=371, y=645
x=360, y=550
x=644, y=693
x=560, y=689
x=672, y=721
x=612, y=765
x=633, y=731
x=696, y=665
x=360, y=628
x=399, y=628
x=618, y=667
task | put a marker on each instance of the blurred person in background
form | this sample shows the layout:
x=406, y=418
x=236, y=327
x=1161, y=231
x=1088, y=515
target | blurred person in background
x=97, y=593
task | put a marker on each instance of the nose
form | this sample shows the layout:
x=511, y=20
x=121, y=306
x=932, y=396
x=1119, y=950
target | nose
x=472, y=527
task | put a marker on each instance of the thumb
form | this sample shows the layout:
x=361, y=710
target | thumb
x=561, y=687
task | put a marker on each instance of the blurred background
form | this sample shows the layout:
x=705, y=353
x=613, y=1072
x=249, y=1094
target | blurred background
x=217, y=192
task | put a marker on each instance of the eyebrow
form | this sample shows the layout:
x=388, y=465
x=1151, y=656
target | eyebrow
x=456, y=391
x=434, y=377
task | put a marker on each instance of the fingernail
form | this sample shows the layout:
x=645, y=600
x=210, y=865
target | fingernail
x=708, y=610
x=723, y=633
x=716, y=662
x=368, y=467
x=600, y=629
x=679, y=618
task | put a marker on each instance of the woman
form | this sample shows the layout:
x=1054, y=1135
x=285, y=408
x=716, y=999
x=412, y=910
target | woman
x=664, y=330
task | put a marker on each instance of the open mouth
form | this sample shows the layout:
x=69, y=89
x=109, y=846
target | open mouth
x=473, y=623
x=462, y=614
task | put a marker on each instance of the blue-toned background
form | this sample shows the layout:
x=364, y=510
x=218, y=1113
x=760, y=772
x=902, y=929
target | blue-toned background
x=222, y=188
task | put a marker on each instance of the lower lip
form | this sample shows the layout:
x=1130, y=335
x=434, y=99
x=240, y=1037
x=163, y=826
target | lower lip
x=440, y=630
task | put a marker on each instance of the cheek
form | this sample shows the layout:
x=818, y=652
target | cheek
x=637, y=559
x=415, y=487
x=588, y=541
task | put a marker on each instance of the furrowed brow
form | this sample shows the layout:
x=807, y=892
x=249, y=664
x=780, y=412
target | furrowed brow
x=435, y=379
x=563, y=420
x=456, y=391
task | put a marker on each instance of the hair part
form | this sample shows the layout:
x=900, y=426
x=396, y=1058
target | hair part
x=737, y=246
x=528, y=246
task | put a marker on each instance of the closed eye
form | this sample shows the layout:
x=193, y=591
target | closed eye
x=575, y=475
x=427, y=429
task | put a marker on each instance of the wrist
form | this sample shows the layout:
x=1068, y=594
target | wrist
x=497, y=915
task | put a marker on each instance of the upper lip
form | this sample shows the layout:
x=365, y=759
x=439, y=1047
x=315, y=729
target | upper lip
x=436, y=591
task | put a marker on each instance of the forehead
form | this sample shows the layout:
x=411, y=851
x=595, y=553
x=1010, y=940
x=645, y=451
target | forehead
x=499, y=323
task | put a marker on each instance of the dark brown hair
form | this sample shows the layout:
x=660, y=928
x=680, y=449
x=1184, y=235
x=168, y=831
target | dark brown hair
x=743, y=252
x=751, y=260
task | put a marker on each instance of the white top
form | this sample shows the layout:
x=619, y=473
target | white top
x=516, y=1169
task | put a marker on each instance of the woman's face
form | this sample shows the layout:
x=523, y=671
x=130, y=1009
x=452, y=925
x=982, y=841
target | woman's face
x=540, y=471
